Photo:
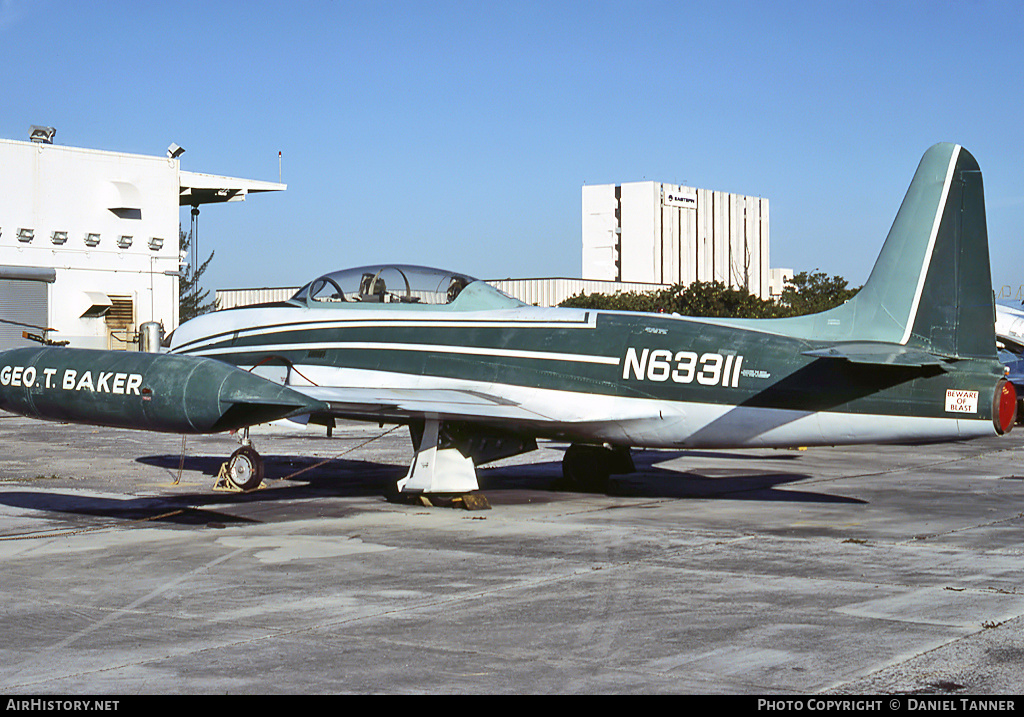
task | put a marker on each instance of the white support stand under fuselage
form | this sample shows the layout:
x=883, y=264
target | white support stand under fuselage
x=438, y=470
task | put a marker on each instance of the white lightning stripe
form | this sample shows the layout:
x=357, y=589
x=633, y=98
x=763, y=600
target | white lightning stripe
x=931, y=245
x=429, y=348
x=387, y=322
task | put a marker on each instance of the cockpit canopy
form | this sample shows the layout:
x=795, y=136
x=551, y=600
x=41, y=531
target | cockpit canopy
x=385, y=283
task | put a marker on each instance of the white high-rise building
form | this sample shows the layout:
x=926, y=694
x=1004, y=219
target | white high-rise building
x=667, y=234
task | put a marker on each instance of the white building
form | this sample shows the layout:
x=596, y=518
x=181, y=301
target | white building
x=667, y=234
x=641, y=237
x=777, y=280
x=89, y=240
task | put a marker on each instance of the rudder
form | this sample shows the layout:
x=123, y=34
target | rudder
x=956, y=312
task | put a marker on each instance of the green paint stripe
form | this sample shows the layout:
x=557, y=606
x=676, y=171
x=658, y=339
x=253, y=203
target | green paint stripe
x=427, y=348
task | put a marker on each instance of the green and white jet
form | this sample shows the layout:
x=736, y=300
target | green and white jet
x=477, y=375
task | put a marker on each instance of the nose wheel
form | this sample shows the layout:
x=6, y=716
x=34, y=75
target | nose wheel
x=242, y=472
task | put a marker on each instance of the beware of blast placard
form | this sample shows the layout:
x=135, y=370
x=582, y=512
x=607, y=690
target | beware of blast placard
x=961, y=401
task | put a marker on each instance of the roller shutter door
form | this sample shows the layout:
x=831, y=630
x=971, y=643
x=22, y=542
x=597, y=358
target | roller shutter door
x=23, y=302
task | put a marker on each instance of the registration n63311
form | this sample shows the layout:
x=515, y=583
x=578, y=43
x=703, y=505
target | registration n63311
x=707, y=369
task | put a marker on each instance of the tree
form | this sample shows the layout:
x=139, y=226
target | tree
x=701, y=298
x=715, y=299
x=811, y=292
x=191, y=296
x=805, y=293
x=621, y=301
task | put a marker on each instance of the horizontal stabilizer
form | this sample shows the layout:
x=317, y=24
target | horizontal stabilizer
x=879, y=354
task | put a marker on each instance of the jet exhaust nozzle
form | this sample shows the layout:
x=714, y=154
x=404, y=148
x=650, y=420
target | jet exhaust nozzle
x=1004, y=407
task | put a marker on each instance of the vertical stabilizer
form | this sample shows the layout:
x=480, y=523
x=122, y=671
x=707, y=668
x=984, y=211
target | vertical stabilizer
x=931, y=287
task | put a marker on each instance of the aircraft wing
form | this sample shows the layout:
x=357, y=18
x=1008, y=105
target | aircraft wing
x=405, y=403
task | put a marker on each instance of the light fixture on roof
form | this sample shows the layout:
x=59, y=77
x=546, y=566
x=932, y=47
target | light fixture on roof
x=156, y=243
x=174, y=151
x=124, y=242
x=26, y=235
x=59, y=238
x=92, y=239
x=43, y=135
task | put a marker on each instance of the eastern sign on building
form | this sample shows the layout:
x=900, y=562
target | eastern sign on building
x=682, y=197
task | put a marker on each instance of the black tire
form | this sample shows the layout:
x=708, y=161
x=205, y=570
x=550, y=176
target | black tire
x=245, y=468
x=586, y=468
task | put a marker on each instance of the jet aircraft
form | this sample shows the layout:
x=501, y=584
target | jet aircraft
x=1010, y=327
x=477, y=375
x=1010, y=347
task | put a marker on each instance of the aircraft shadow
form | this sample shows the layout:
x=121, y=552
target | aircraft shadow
x=312, y=476
x=296, y=478
x=335, y=478
x=338, y=476
x=653, y=481
x=175, y=510
x=749, y=486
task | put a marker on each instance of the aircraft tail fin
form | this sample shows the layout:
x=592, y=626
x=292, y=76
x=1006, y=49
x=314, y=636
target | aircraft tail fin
x=931, y=287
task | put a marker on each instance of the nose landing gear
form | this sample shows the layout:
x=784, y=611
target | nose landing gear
x=244, y=469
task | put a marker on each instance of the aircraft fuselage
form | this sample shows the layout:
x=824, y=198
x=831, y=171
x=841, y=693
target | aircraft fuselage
x=623, y=378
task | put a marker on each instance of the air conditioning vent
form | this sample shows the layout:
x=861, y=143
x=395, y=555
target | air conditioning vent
x=121, y=314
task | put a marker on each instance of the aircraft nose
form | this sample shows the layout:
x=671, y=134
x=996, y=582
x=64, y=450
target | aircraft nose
x=127, y=389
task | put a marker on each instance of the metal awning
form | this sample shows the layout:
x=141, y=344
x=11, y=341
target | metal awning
x=123, y=195
x=96, y=304
x=29, y=273
x=196, y=188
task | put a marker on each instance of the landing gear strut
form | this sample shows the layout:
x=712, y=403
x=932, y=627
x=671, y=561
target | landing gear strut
x=438, y=466
x=443, y=471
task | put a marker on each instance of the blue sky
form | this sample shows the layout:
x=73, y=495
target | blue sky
x=459, y=134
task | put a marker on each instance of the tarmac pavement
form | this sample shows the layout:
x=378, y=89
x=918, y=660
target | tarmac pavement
x=867, y=570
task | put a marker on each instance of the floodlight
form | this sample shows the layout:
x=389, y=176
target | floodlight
x=43, y=135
